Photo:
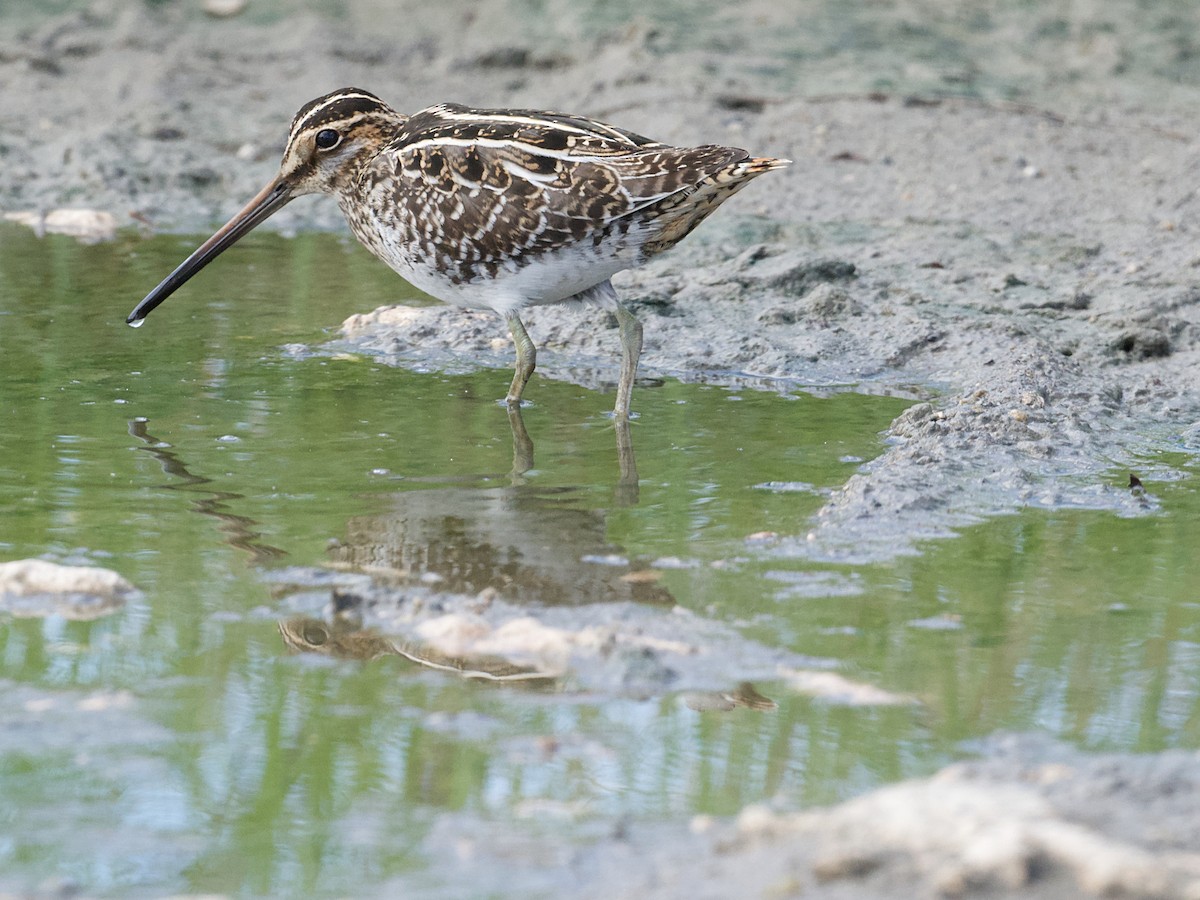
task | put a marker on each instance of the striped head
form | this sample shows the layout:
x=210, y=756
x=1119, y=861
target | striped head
x=331, y=139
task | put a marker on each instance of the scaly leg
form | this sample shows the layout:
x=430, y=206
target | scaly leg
x=526, y=358
x=631, y=351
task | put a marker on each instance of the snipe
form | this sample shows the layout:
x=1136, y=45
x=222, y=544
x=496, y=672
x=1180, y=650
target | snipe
x=494, y=209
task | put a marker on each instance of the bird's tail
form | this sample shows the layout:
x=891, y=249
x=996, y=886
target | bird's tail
x=756, y=165
x=684, y=211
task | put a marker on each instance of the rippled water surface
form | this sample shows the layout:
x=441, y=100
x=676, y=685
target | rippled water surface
x=180, y=745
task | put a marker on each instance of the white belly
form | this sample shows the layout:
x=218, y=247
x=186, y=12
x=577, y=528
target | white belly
x=548, y=278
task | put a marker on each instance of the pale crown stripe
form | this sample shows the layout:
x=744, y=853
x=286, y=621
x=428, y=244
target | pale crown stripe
x=331, y=101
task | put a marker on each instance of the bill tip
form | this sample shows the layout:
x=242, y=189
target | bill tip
x=134, y=323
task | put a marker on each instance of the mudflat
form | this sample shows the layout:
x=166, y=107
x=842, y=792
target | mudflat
x=992, y=211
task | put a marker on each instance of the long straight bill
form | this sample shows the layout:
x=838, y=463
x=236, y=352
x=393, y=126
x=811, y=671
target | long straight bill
x=271, y=198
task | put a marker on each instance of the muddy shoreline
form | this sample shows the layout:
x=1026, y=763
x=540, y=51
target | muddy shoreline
x=1005, y=231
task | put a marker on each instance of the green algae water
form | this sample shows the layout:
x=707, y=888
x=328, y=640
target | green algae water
x=178, y=746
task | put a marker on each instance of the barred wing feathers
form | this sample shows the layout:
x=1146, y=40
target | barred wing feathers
x=498, y=184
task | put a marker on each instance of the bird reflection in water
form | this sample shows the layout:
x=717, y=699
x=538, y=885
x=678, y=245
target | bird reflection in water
x=238, y=530
x=745, y=695
x=527, y=542
x=344, y=638
x=521, y=541
x=626, y=491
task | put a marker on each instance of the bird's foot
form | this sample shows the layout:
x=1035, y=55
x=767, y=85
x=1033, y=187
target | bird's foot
x=514, y=403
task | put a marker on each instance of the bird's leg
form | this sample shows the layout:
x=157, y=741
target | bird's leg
x=631, y=351
x=526, y=358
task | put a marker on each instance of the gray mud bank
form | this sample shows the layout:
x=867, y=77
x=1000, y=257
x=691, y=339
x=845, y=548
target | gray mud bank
x=1035, y=819
x=993, y=213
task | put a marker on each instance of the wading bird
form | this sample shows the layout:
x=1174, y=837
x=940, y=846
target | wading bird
x=494, y=209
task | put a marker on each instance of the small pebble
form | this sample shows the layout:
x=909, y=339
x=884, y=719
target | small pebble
x=760, y=537
x=702, y=824
x=641, y=576
x=606, y=559
x=224, y=9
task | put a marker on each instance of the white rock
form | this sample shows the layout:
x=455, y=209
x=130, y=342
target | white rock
x=87, y=225
x=34, y=588
x=224, y=9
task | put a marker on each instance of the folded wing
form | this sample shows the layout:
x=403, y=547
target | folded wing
x=498, y=185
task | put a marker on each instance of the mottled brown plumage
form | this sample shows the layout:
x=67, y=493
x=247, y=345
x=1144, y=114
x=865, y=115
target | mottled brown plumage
x=495, y=209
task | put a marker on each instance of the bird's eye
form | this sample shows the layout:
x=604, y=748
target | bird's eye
x=327, y=139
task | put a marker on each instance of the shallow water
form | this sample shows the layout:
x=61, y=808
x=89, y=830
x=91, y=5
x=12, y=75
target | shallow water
x=180, y=746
